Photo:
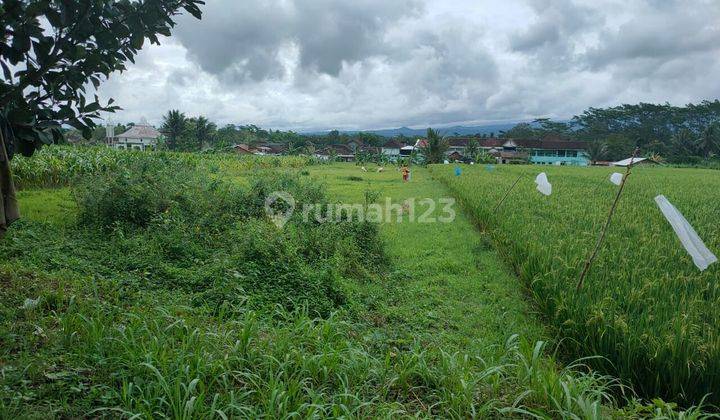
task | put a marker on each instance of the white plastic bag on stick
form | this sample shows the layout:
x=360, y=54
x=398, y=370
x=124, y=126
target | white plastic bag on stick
x=543, y=185
x=701, y=255
x=616, y=178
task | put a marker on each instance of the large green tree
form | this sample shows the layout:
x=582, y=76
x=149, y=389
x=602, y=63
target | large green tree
x=683, y=145
x=618, y=147
x=203, y=130
x=227, y=136
x=51, y=51
x=174, y=128
x=369, y=139
x=520, y=131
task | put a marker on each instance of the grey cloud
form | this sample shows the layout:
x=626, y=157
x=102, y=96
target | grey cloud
x=539, y=34
x=452, y=64
x=316, y=64
x=552, y=38
x=243, y=40
x=658, y=34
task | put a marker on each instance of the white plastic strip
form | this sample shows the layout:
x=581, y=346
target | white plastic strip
x=701, y=255
x=543, y=185
x=616, y=178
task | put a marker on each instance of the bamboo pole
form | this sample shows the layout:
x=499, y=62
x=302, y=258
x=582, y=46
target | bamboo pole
x=603, y=233
x=507, y=193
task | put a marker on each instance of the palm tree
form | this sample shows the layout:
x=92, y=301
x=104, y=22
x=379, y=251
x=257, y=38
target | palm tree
x=596, y=151
x=435, y=147
x=471, y=150
x=709, y=141
x=684, y=143
x=173, y=127
x=203, y=130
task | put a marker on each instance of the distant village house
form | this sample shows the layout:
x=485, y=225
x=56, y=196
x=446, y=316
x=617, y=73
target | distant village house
x=539, y=152
x=142, y=136
x=391, y=149
x=264, y=149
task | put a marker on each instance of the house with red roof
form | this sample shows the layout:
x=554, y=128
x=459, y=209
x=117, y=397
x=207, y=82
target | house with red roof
x=547, y=151
x=391, y=149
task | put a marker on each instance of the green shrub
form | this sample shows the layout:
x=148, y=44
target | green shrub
x=133, y=197
x=181, y=230
x=354, y=247
x=267, y=262
x=160, y=192
x=303, y=191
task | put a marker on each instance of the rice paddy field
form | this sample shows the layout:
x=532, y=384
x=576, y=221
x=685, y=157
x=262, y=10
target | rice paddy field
x=645, y=314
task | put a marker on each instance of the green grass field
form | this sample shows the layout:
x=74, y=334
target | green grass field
x=645, y=307
x=121, y=323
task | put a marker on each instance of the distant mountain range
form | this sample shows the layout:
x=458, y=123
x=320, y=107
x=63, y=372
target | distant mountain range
x=417, y=132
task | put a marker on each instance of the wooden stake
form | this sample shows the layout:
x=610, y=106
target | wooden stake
x=507, y=193
x=601, y=238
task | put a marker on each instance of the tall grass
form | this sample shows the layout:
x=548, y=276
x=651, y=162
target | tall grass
x=645, y=307
x=164, y=359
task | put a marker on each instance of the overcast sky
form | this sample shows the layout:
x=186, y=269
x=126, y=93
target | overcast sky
x=363, y=64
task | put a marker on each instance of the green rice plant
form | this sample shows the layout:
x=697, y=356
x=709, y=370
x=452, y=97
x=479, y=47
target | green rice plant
x=645, y=308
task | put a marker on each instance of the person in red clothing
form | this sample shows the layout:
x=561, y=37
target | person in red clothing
x=405, y=173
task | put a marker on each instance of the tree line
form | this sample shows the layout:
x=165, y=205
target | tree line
x=689, y=134
x=198, y=133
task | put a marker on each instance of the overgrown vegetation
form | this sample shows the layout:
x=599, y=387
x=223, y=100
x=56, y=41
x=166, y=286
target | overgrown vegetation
x=152, y=228
x=645, y=307
x=164, y=358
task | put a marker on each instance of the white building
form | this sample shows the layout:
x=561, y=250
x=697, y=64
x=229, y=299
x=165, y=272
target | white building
x=406, y=151
x=142, y=136
x=391, y=149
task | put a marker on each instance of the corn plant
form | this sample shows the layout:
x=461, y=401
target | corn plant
x=57, y=166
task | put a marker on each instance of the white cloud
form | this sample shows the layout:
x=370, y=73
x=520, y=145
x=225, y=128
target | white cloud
x=309, y=64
